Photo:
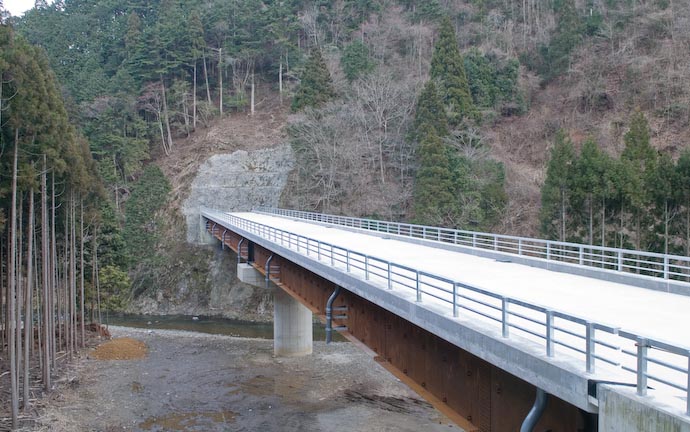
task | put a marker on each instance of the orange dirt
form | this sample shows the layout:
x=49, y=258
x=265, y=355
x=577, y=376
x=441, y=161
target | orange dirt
x=121, y=349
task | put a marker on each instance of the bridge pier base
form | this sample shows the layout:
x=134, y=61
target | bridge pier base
x=292, y=326
x=293, y=330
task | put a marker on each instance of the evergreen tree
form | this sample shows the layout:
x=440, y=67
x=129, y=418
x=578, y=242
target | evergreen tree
x=589, y=185
x=355, y=60
x=434, y=193
x=683, y=169
x=555, y=194
x=639, y=159
x=315, y=86
x=429, y=115
x=666, y=195
x=448, y=69
x=556, y=56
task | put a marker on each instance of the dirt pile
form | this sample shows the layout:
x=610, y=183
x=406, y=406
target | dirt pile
x=121, y=349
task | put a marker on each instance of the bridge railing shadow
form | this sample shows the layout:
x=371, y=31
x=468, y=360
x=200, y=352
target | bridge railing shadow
x=560, y=334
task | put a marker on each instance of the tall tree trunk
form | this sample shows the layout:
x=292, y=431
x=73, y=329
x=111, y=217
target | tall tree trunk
x=12, y=251
x=97, y=281
x=220, y=80
x=3, y=296
x=54, y=297
x=73, y=272
x=666, y=222
x=20, y=291
x=47, y=286
x=194, y=98
x=280, y=81
x=165, y=114
x=591, y=220
x=563, y=215
x=208, y=89
x=81, y=272
x=252, y=97
x=603, y=222
x=28, y=314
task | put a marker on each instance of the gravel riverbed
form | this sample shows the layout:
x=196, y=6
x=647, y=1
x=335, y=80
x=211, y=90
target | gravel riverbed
x=200, y=382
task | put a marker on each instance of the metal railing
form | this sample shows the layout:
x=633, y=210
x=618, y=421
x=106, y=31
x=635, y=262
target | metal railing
x=589, y=341
x=663, y=266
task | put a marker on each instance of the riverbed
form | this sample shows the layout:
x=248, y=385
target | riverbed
x=191, y=381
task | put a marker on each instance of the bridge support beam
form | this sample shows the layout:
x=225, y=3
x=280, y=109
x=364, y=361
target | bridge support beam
x=292, y=326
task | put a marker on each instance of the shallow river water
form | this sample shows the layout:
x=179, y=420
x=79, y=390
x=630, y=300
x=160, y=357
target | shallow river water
x=207, y=324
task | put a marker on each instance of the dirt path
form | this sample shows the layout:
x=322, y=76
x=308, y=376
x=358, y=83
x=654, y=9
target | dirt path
x=199, y=382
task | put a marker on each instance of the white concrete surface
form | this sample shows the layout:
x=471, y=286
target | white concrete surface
x=651, y=314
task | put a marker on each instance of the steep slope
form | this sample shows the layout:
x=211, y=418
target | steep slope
x=237, y=163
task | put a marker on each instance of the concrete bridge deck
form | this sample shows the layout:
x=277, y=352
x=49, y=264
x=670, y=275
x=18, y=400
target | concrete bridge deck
x=560, y=332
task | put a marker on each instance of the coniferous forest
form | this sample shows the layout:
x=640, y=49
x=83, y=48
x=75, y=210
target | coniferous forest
x=562, y=119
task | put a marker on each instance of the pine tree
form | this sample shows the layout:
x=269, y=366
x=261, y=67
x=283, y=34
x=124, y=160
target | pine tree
x=315, y=87
x=448, y=69
x=555, y=194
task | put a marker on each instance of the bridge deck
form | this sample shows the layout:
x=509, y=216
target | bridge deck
x=648, y=313
x=652, y=313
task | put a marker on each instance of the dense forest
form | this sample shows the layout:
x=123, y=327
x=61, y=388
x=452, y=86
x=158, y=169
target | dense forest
x=567, y=119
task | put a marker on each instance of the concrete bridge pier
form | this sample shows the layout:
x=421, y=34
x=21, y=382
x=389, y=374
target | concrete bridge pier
x=292, y=326
x=293, y=333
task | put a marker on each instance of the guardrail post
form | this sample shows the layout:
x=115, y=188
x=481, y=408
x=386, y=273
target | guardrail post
x=424, y=232
x=495, y=243
x=366, y=267
x=549, y=334
x=390, y=279
x=474, y=239
x=519, y=246
x=642, y=349
x=455, y=236
x=548, y=250
x=332, y=259
x=589, y=341
x=318, y=250
x=620, y=261
x=504, y=317
x=582, y=255
x=419, y=288
x=455, y=299
x=665, y=267
x=347, y=260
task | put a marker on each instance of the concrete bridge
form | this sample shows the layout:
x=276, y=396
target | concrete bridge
x=500, y=333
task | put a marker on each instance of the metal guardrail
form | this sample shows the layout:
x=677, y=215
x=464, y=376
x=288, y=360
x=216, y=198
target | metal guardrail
x=670, y=267
x=551, y=328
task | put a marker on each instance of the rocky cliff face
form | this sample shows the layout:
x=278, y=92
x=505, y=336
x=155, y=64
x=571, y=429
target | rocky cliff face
x=238, y=181
x=199, y=278
x=238, y=163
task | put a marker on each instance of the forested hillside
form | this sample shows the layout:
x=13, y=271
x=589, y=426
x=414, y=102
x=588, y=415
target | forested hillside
x=566, y=119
